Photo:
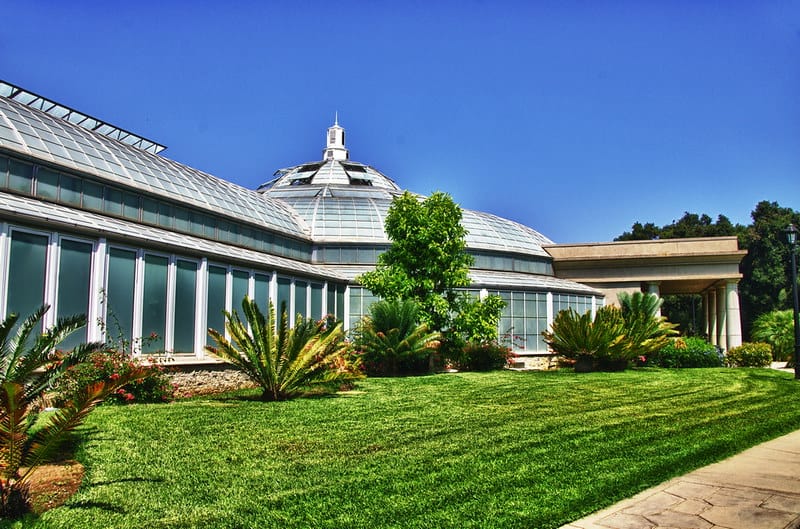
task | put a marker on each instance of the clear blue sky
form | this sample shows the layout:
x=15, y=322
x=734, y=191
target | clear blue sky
x=575, y=118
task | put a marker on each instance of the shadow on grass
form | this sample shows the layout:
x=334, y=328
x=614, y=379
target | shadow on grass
x=126, y=480
x=102, y=505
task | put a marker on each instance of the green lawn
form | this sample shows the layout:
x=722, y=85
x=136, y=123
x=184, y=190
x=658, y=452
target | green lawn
x=506, y=449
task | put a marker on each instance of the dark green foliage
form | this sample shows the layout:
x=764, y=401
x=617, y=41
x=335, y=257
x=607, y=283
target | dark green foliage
x=777, y=329
x=597, y=342
x=392, y=340
x=644, y=329
x=687, y=352
x=28, y=368
x=427, y=260
x=497, y=450
x=484, y=356
x=750, y=355
x=285, y=362
x=766, y=283
x=154, y=386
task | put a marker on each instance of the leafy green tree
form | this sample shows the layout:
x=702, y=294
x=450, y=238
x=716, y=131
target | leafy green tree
x=29, y=366
x=766, y=285
x=427, y=261
x=284, y=362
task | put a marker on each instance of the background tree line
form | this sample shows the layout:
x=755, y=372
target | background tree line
x=766, y=281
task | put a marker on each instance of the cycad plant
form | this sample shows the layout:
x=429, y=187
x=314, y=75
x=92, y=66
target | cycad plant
x=29, y=365
x=284, y=362
x=590, y=342
x=392, y=340
x=646, y=331
x=777, y=329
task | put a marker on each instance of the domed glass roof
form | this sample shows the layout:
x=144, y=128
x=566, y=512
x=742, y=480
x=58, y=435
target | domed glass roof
x=343, y=201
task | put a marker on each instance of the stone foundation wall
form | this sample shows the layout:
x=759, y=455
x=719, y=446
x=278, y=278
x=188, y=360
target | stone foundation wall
x=207, y=379
x=537, y=362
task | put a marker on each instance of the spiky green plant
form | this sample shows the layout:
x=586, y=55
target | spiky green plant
x=29, y=365
x=392, y=339
x=284, y=362
x=580, y=337
x=646, y=331
x=777, y=329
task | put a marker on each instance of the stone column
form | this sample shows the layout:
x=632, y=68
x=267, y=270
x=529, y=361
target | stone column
x=706, y=316
x=712, y=316
x=734, y=319
x=722, y=336
x=652, y=288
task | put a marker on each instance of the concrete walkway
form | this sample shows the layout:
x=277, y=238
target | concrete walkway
x=757, y=489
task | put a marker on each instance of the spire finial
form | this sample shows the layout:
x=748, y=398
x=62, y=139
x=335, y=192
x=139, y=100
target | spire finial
x=336, y=120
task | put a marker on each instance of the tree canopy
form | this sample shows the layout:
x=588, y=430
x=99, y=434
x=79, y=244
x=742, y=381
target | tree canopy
x=765, y=269
x=427, y=260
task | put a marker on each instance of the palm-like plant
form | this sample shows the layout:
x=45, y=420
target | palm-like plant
x=392, y=340
x=582, y=338
x=29, y=366
x=646, y=331
x=284, y=362
x=776, y=328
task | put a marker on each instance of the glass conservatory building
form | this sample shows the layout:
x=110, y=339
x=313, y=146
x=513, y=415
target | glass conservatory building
x=94, y=220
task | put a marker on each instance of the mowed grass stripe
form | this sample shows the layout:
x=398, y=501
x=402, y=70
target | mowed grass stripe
x=501, y=450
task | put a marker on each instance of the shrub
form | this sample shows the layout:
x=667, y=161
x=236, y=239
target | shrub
x=687, y=352
x=645, y=330
x=484, y=356
x=29, y=368
x=776, y=328
x=393, y=342
x=154, y=386
x=591, y=343
x=750, y=355
x=285, y=362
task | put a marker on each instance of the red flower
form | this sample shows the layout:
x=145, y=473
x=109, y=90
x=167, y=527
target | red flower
x=114, y=376
x=120, y=391
x=129, y=397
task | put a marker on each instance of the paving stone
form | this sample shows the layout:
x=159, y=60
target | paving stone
x=783, y=503
x=748, y=518
x=679, y=519
x=689, y=489
x=653, y=504
x=691, y=506
x=626, y=521
x=738, y=498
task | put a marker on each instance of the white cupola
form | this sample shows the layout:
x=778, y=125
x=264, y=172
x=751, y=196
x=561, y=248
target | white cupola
x=335, y=149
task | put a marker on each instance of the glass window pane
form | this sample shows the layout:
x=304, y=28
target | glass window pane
x=92, y=195
x=284, y=292
x=74, y=270
x=165, y=215
x=26, y=273
x=3, y=171
x=241, y=281
x=119, y=296
x=130, y=206
x=331, y=308
x=47, y=184
x=262, y=292
x=340, y=292
x=113, y=202
x=185, y=292
x=154, y=303
x=182, y=219
x=70, y=190
x=20, y=176
x=316, y=301
x=300, y=299
x=149, y=210
x=215, y=319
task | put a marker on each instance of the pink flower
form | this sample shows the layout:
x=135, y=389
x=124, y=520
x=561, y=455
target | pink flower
x=114, y=376
x=129, y=397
